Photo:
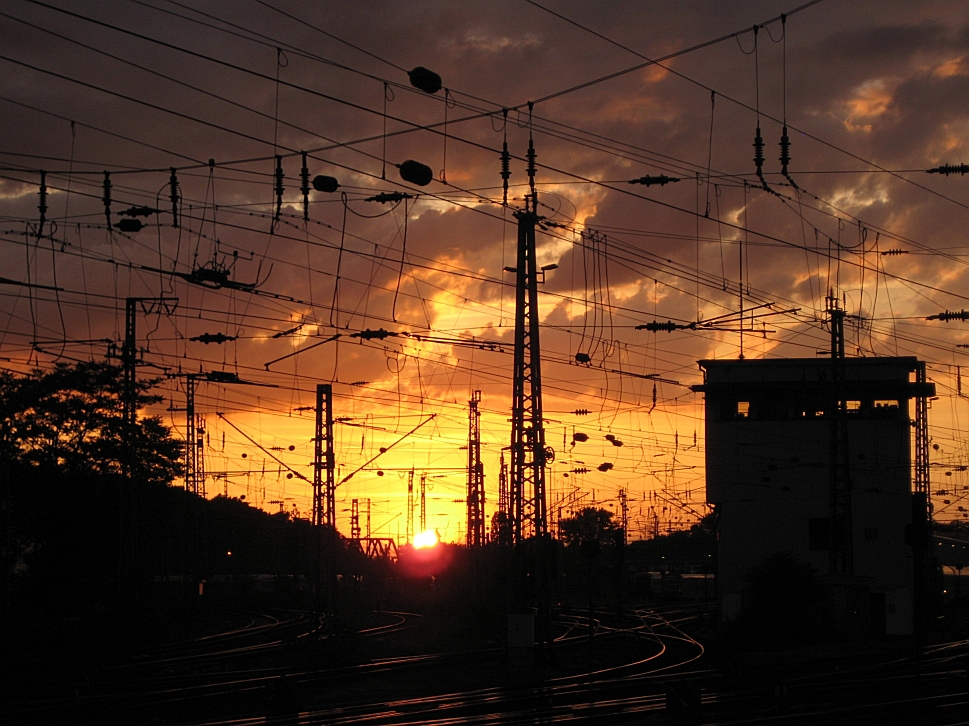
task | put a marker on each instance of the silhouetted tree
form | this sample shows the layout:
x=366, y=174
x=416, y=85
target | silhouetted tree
x=587, y=525
x=71, y=419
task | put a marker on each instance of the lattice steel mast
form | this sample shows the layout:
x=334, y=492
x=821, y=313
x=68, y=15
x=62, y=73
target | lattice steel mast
x=324, y=484
x=528, y=452
x=475, y=536
x=194, y=442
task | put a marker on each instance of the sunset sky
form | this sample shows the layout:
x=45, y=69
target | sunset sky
x=874, y=94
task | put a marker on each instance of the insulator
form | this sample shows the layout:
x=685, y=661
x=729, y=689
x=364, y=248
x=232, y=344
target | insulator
x=416, y=173
x=378, y=334
x=138, y=212
x=217, y=338
x=583, y=358
x=947, y=169
x=425, y=80
x=947, y=316
x=173, y=194
x=654, y=327
x=505, y=171
x=42, y=205
x=649, y=180
x=581, y=412
x=304, y=188
x=279, y=185
x=531, y=156
x=129, y=225
x=895, y=252
x=785, y=158
x=580, y=470
x=758, y=151
x=326, y=184
x=106, y=198
x=384, y=197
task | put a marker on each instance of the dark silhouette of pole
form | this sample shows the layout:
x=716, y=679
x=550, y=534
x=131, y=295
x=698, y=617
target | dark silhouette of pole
x=841, y=553
x=129, y=406
x=528, y=449
x=527, y=475
x=324, y=487
x=475, y=536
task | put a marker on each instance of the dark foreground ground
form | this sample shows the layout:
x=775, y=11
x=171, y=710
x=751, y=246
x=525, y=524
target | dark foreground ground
x=661, y=663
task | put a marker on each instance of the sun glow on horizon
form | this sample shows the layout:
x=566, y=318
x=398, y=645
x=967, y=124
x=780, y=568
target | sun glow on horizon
x=427, y=538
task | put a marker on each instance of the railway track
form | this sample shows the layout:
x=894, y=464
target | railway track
x=275, y=668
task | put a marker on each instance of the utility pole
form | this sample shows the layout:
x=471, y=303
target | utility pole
x=324, y=486
x=475, y=536
x=501, y=525
x=923, y=554
x=410, y=507
x=129, y=405
x=841, y=553
x=355, y=519
x=624, y=510
x=528, y=451
x=194, y=442
x=423, y=501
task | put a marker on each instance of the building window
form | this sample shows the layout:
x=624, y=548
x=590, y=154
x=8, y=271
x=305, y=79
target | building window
x=743, y=409
x=819, y=534
x=812, y=410
x=853, y=408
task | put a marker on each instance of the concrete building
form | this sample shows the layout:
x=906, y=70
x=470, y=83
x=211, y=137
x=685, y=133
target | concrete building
x=789, y=470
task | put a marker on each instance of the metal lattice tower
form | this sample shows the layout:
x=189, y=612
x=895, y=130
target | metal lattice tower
x=528, y=451
x=624, y=511
x=129, y=361
x=475, y=536
x=409, y=534
x=423, y=501
x=355, y=519
x=194, y=441
x=504, y=502
x=922, y=439
x=324, y=484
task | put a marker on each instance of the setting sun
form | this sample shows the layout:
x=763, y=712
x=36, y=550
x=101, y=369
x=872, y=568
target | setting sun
x=428, y=538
